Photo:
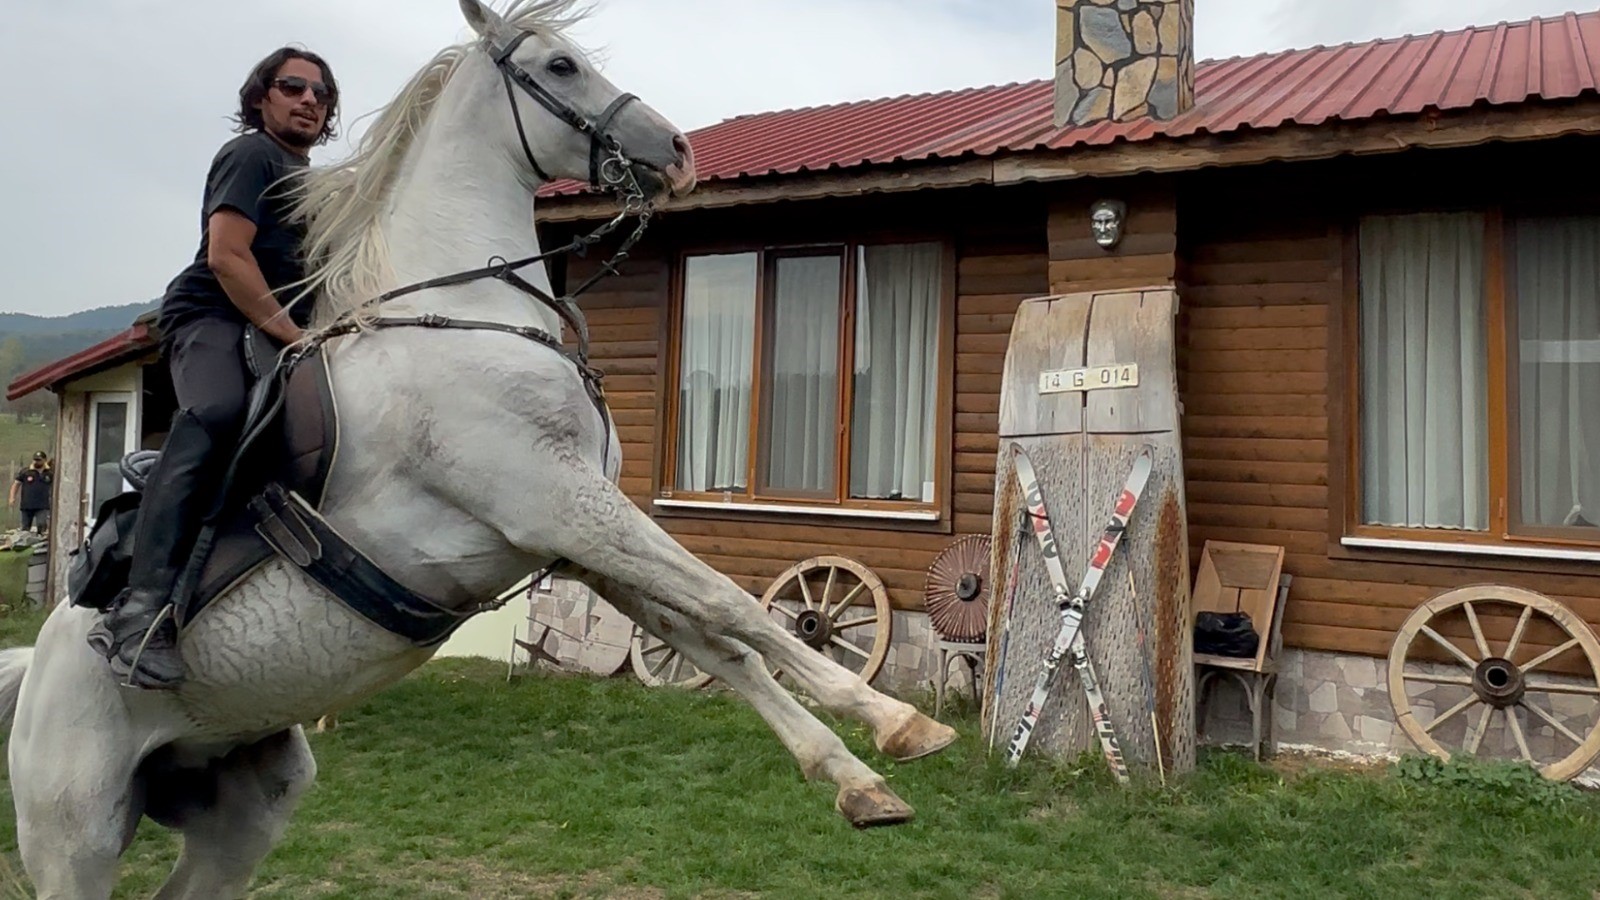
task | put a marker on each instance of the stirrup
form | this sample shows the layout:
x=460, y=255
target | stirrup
x=166, y=610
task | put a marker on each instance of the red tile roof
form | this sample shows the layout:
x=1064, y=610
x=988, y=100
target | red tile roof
x=1549, y=59
x=132, y=342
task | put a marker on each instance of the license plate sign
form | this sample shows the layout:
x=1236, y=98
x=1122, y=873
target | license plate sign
x=1093, y=378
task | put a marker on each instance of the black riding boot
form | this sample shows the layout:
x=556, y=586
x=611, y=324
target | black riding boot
x=171, y=508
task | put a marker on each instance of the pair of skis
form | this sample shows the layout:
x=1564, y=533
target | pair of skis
x=1069, y=640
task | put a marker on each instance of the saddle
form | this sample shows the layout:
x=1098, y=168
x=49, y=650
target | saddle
x=268, y=506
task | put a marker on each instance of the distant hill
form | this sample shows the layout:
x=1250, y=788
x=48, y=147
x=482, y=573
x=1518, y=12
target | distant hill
x=28, y=342
x=104, y=321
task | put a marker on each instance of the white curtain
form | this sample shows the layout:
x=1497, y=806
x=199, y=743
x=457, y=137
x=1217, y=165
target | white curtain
x=719, y=304
x=1424, y=396
x=803, y=412
x=896, y=369
x=1558, y=325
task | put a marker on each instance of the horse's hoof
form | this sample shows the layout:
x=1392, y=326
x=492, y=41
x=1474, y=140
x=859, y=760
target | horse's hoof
x=917, y=737
x=869, y=807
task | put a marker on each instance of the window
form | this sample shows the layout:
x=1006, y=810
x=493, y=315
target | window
x=111, y=435
x=1557, y=433
x=1479, y=375
x=810, y=376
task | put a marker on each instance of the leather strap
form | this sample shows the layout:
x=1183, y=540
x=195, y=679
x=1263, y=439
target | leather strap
x=300, y=534
x=590, y=375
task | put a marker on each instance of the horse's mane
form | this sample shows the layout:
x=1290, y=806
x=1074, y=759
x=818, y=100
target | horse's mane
x=347, y=258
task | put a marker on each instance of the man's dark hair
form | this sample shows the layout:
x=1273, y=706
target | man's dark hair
x=260, y=81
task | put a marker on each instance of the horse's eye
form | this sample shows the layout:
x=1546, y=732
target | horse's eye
x=562, y=67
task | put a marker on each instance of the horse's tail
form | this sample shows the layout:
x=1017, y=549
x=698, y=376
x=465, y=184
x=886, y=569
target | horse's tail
x=13, y=664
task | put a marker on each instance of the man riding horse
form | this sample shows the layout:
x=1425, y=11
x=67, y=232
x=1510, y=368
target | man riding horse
x=248, y=249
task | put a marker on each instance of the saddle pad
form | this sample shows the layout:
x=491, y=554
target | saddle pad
x=299, y=451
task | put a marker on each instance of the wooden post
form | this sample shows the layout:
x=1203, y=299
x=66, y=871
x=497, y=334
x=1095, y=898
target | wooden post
x=1082, y=443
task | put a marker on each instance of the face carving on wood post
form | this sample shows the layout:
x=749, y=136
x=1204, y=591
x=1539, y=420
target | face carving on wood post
x=1105, y=222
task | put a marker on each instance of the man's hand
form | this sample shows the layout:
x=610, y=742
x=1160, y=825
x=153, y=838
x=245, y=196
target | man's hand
x=228, y=254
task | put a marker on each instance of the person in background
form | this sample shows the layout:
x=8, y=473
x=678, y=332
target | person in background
x=33, y=484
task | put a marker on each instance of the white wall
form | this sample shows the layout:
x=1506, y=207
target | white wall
x=121, y=378
x=489, y=634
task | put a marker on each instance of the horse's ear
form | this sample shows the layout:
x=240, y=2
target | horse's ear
x=483, y=20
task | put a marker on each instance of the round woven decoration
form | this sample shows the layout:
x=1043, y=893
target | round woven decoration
x=957, y=594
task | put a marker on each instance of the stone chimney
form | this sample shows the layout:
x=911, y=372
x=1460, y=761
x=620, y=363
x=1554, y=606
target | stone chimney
x=1121, y=60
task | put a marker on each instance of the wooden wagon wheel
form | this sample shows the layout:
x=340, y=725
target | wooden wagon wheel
x=826, y=589
x=659, y=664
x=1504, y=681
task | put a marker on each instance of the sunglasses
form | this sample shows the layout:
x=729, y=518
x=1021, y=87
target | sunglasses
x=294, y=86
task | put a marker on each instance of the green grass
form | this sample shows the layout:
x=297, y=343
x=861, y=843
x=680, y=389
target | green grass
x=20, y=439
x=18, y=442
x=13, y=587
x=457, y=784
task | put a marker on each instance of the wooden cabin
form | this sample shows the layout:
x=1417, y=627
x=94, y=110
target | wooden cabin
x=1388, y=263
x=1387, y=259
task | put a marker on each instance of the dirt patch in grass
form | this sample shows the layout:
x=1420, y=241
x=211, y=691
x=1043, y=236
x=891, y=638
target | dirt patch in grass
x=1296, y=763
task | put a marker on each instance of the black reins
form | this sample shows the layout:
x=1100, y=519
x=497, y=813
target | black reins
x=610, y=171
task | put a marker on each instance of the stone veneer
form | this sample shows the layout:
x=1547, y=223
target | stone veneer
x=1335, y=703
x=1123, y=59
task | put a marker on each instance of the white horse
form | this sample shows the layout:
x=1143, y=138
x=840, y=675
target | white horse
x=490, y=438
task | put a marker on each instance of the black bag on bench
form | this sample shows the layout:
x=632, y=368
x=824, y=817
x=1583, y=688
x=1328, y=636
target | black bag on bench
x=1225, y=634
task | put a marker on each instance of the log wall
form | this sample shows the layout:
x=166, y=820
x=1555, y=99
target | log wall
x=1257, y=255
x=1000, y=246
x=1266, y=281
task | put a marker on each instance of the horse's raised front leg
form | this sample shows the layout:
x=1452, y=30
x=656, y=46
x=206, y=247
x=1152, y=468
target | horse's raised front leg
x=232, y=812
x=864, y=798
x=601, y=530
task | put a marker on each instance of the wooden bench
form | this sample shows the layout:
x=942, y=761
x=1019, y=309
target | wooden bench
x=1247, y=578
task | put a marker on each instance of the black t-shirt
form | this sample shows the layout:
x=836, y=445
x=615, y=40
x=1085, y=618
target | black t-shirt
x=35, y=493
x=245, y=176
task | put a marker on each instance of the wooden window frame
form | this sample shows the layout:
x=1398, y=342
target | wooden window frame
x=935, y=515
x=761, y=400
x=1504, y=532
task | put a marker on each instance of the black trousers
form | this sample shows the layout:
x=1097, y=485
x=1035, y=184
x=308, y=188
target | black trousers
x=211, y=381
x=206, y=360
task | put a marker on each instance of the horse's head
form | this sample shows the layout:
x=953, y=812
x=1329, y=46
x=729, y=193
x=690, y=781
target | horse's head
x=566, y=120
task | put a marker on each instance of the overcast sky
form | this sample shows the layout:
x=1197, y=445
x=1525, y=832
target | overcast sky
x=112, y=109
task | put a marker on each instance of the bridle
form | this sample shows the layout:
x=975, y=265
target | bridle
x=610, y=171
x=604, y=149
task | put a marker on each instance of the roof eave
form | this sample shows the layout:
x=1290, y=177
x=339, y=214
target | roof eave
x=126, y=345
x=1430, y=128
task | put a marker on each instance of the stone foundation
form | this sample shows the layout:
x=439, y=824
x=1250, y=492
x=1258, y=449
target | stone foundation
x=1121, y=60
x=1335, y=703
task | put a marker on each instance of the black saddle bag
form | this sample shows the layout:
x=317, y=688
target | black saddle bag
x=1225, y=634
x=98, y=570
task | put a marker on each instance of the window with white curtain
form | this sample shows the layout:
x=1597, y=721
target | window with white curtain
x=1557, y=285
x=816, y=370
x=1438, y=293
x=714, y=372
x=1424, y=398
x=896, y=372
x=801, y=411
